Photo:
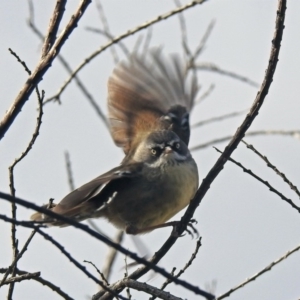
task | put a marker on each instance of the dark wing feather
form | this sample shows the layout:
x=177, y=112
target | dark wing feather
x=148, y=93
x=84, y=201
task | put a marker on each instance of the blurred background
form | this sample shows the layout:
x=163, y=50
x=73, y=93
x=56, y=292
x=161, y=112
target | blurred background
x=244, y=227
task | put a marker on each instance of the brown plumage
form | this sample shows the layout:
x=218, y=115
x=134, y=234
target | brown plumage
x=149, y=101
x=149, y=93
x=160, y=179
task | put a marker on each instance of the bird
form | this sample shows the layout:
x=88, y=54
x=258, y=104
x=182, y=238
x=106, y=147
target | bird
x=141, y=194
x=148, y=93
x=149, y=101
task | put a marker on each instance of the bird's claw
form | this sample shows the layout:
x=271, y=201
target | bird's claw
x=190, y=229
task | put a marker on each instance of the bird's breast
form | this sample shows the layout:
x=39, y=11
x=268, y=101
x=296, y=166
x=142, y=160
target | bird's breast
x=154, y=197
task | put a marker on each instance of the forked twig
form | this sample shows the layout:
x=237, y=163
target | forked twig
x=121, y=37
x=266, y=183
x=274, y=168
x=267, y=268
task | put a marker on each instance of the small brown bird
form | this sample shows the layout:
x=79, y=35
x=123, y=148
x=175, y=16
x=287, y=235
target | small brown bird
x=149, y=103
x=141, y=194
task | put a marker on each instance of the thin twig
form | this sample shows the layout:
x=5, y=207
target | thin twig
x=65, y=64
x=20, y=254
x=112, y=255
x=20, y=278
x=232, y=145
x=205, y=94
x=59, y=246
x=40, y=70
x=121, y=37
x=149, y=289
x=266, y=183
x=111, y=37
x=183, y=30
x=99, y=237
x=104, y=21
x=53, y=26
x=267, y=268
x=220, y=118
x=98, y=271
x=274, y=168
x=125, y=277
x=69, y=171
x=214, y=68
x=188, y=264
x=204, y=39
x=12, y=166
x=43, y=281
x=292, y=133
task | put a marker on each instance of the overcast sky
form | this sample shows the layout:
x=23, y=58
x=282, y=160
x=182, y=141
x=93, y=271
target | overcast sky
x=243, y=226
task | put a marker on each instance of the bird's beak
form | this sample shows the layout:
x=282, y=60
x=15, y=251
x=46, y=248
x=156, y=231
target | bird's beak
x=168, y=150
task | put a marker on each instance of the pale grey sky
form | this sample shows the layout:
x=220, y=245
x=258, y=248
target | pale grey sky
x=243, y=226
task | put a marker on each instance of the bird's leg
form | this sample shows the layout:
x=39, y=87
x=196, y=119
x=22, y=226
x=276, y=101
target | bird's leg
x=130, y=229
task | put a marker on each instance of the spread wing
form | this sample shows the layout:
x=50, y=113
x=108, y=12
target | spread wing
x=147, y=93
x=90, y=197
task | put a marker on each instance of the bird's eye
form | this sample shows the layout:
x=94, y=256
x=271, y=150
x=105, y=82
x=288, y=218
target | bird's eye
x=156, y=151
x=177, y=145
x=153, y=151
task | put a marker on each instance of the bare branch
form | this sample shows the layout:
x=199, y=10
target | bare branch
x=11, y=173
x=20, y=254
x=204, y=39
x=121, y=37
x=39, y=71
x=205, y=94
x=149, y=289
x=216, y=169
x=53, y=26
x=43, y=281
x=271, y=188
x=267, y=268
x=98, y=271
x=106, y=29
x=214, y=68
x=111, y=37
x=274, y=168
x=99, y=237
x=69, y=171
x=66, y=65
x=184, y=39
x=111, y=255
x=188, y=264
x=27, y=276
x=57, y=245
x=220, y=118
x=292, y=133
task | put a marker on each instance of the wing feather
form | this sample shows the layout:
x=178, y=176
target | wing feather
x=145, y=89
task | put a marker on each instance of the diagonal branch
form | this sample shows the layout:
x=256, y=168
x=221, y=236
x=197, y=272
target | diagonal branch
x=267, y=268
x=20, y=278
x=274, y=168
x=53, y=26
x=266, y=183
x=219, y=165
x=121, y=37
x=292, y=133
x=40, y=70
x=98, y=236
x=214, y=68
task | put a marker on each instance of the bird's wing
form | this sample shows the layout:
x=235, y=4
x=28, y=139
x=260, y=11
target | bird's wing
x=83, y=201
x=142, y=91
